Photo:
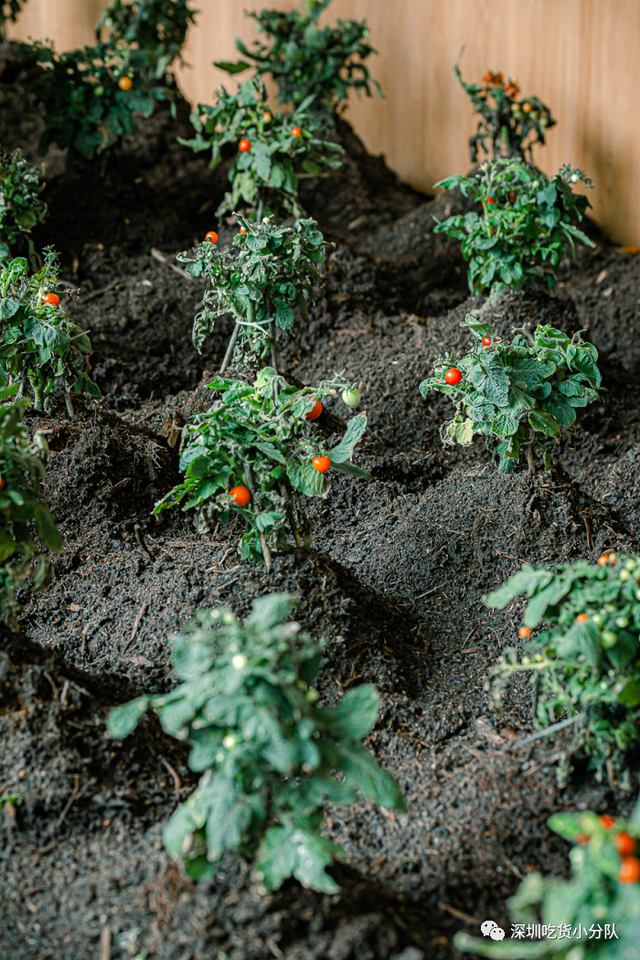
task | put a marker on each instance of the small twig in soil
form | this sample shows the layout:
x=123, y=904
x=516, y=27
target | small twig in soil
x=176, y=779
x=164, y=259
x=139, y=535
x=105, y=943
x=74, y=796
x=548, y=731
x=290, y=518
x=134, y=630
x=98, y=293
x=588, y=529
x=459, y=914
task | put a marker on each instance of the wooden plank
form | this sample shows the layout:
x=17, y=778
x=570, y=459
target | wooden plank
x=582, y=57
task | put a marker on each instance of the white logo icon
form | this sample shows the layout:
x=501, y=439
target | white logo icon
x=491, y=929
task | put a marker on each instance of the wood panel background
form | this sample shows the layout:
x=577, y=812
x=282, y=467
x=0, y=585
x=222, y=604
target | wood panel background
x=582, y=57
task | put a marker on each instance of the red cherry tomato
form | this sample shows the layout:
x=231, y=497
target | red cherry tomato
x=242, y=230
x=513, y=196
x=524, y=632
x=1, y=483
x=51, y=299
x=241, y=495
x=244, y=146
x=486, y=341
x=491, y=200
x=321, y=464
x=625, y=844
x=296, y=132
x=125, y=83
x=212, y=236
x=629, y=870
x=606, y=821
x=315, y=411
x=453, y=376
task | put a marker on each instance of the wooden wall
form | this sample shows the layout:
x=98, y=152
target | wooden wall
x=582, y=57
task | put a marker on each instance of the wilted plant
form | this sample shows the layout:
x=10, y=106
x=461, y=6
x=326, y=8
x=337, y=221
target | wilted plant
x=309, y=64
x=253, y=453
x=512, y=127
x=273, y=147
x=518, y=395
x=39, y=342
x=262, y=280
x=585, y=665
x=20, y=205
x=592, y=916
x=268, y=752
x=22, y=504
x=526, y=226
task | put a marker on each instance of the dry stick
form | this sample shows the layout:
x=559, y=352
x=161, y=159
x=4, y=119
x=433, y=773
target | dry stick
x=230, y=348
x=263, y=540
x=164, y=259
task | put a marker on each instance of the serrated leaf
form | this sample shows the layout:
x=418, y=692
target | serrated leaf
x=291, y=852
x=344, y=450
x=362, y=771
x=124, y=719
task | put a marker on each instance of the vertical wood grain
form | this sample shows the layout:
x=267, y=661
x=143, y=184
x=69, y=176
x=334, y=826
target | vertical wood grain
x=582, y=57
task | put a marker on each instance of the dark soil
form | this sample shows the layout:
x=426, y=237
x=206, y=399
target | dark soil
x=394, y=582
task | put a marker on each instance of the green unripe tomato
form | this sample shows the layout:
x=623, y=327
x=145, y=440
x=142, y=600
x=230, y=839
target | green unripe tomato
x=526, y=661
x=609, y=638
x=622, y=622
x=312, y=696
x=229, y=741
x=574, y=178
x=610, y=607
x=597, y=619
x=624, y=576
x=98, y=91
x=630, y=565
x=351, y=397
x=637, y=594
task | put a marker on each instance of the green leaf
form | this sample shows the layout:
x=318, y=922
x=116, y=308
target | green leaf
x=362, y=771
x=496, y=386
x=630, y=694
x=344, y=450
x=304, y=478
x=464, y=431
x=124, y=719
x=358, y=711
x=271, y=610
x=525, y=581
x=232, y=66
x=543, y=423
x=46, y=527
x=292, y=852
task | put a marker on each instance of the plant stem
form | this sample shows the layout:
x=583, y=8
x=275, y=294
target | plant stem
x=69, y=402
x=230, y=349
x=263, y=540
x=290, y=518
x=259, y=213
x=530, y=459
x=272, y=333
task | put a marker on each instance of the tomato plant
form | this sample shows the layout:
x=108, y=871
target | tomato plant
x=518, y=395
x=264, y=174
x=589, y=669
x=309, y=63
x=22, y=505
x=507, y=126
x=156, y=28
x=258, y=437
x=601, y=898
x=40, y=343
x=20, y=205
x=265, y=280
x=268, y=751
x=520, y=242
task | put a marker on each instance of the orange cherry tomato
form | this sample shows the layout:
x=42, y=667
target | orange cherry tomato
x=241, y=495
x=582, y=618
x=606, y=821
x=51, y=299
x=212, y=236
x=524, y=632
x=244, y=146
x=315, y=411
x=125, y=83
x=526, y=108
x=266, y=116
x=629, y=870
x=453, y=376
x=242, y=230
x=488, y=77
x=296, y=132
x=582, y=838
x=602, y=560
x=321, y=464
x=625, y=844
